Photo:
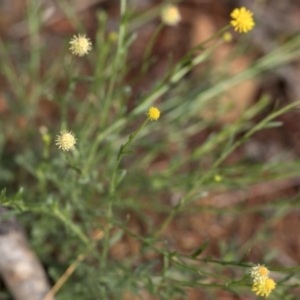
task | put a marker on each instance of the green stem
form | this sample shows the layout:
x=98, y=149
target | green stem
x=168, y=219
x=73, y=227
x=146, y=58
x=116, y=65
x=67, y=97
x=217, y=34
x=173, y=78
x=112, y=189
x=259, y=126
x=121, y=153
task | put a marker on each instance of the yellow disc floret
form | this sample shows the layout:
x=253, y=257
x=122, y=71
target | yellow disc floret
x=153, y=113
x=242, y=20
x=227, y=37
x=264, y=288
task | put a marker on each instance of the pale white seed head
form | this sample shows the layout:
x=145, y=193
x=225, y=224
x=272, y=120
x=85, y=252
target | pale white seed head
x=259, y=273
x=170, y=15
x=80, y=45
x=66, y=141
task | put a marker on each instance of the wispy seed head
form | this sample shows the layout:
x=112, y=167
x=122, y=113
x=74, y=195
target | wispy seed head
x=66, y=141
x=80, y=45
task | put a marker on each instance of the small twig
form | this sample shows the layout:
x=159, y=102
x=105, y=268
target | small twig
x=70, y=270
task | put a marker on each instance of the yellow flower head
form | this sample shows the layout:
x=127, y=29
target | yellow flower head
x=113, y=36
x=170, y=15
x=80, y=45
x=66, y=141
x=227, y=37
x=153, y=113
x=242, y=20
x=218, y=178
x=259, y=273
x=264, y=288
